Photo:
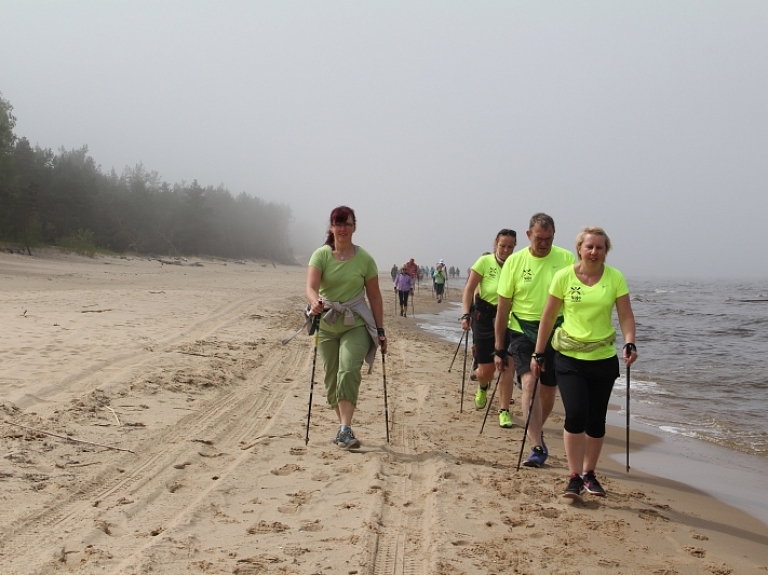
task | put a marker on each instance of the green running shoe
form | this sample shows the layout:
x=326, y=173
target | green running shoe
x=505, y=420
x=481, y=397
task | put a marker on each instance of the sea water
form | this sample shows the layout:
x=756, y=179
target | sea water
x=700, y=376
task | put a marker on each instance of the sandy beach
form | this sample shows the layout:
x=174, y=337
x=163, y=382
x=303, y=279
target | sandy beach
x=153, y=422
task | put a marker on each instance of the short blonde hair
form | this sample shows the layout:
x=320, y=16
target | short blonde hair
x=596, y=231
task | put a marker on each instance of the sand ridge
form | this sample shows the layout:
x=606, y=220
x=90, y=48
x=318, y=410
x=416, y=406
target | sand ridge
x=183, y=366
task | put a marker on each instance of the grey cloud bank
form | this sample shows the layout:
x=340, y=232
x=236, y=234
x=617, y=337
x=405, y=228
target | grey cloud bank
x=439, y=122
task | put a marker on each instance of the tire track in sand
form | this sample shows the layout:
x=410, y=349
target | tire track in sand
x=118, y=365
x=214, y=434
x=401, y=543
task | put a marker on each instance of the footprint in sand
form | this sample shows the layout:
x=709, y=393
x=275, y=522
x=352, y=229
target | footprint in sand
x=300, y=498
x=294, y=551
x=550, y=513
x=263, y=527
x=696, y=551
x=311, y=526
x=286, y=469
x=298, y=450
x=513, y=521
x=651, y=515
x=295, y=501
x=700, y=537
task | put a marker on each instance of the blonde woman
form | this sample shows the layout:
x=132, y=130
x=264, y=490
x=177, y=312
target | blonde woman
x=586, y=363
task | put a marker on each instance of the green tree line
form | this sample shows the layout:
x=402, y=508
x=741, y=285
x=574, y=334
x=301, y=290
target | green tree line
x=52, y=198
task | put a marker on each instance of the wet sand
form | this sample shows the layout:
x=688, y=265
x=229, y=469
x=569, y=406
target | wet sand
x=183, y=367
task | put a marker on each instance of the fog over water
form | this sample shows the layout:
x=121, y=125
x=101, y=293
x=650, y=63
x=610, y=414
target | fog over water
x=439, y=122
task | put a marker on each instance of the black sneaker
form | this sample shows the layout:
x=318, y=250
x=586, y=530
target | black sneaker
x=575, y=487
x=592, y=485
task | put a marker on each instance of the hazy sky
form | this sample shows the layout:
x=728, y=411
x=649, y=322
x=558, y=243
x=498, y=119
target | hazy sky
x=438, y=122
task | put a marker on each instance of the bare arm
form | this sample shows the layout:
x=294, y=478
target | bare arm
x=373, y=293
x=314, y=275
x=627, y=324
x=548, y=318
x=469, y=294
x=500, y=330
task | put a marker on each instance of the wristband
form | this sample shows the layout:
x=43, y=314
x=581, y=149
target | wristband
x=465, y=316
x=630, y=347
x=380, y=331
x=502, y=353
x=538, y=358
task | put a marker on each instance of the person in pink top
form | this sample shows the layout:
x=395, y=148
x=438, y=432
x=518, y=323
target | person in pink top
x=413, y=270
x=403, y=287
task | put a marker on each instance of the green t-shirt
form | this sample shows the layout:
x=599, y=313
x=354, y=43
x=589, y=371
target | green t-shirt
x=587, y=309
x=489, y=268
x=525, y=279
x=342, y=280
x=439, y=277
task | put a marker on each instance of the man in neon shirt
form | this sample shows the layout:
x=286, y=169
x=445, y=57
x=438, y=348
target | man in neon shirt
x=523, y=289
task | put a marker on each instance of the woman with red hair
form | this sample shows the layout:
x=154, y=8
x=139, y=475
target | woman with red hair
x=340, y=277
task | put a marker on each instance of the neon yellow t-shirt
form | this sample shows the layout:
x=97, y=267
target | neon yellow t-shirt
x=587, y=309
x=489, y=268
x=342, y=280
x=525, y=279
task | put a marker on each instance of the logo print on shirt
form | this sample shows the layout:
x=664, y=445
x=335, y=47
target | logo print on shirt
x=575, y=293
x=527, y=275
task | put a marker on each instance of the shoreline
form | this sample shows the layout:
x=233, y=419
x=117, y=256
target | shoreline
x=183, y=366
x=730, y=476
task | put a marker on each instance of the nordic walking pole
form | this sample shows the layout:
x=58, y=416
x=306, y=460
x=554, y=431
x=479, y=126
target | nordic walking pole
x=527, y=421
x=384, y=379
x=413, y=304
x=487, y=409
x=463, y=374
x=456, y=352
x=627, y=410
x=315, y=330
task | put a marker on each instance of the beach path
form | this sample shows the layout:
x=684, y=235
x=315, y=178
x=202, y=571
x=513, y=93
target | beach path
x=183, y=367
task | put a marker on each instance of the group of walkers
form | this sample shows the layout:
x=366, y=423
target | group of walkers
x=538, y=313
x=550, y=314
x=419, y=273
x=404, y=286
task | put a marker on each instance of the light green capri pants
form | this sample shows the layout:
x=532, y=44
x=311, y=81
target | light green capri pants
x=343, y=355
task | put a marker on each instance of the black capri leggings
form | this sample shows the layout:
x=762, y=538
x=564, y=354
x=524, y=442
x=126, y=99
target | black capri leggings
x=585, y=388
x=403, y=297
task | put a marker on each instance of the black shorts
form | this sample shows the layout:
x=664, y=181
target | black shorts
x=439, y=289
x=521, y=349
x=585, y=388
x=485, y=347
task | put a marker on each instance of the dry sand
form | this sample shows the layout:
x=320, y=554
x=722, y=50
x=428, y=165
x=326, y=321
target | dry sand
x=183, y=367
